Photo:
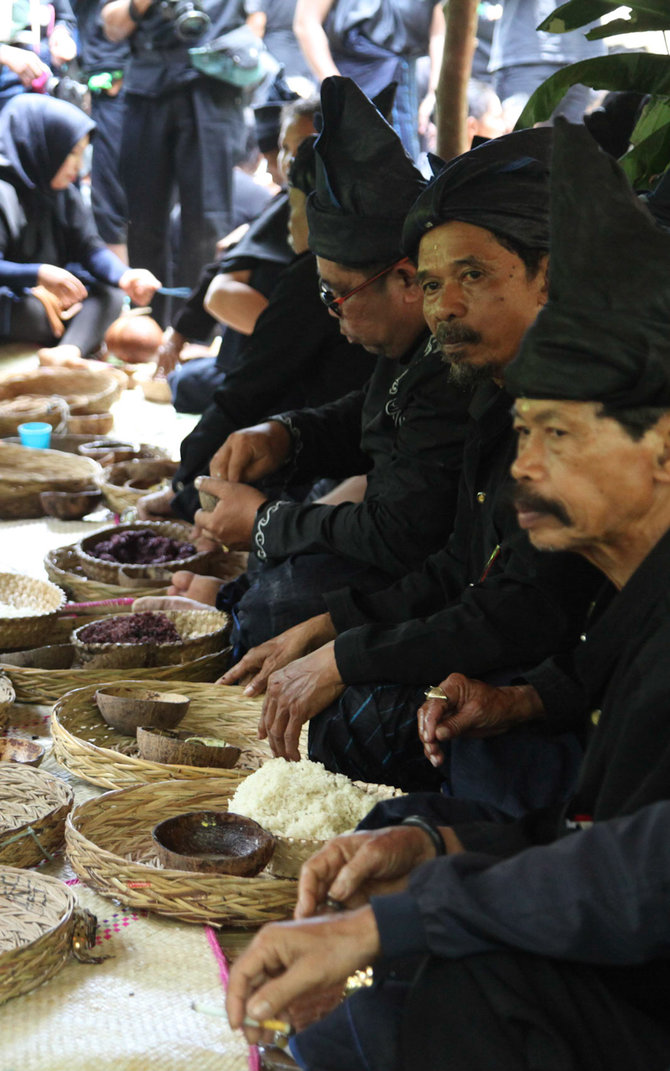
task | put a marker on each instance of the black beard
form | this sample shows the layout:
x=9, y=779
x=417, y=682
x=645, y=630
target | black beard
x=469, y=376
x=535, y=503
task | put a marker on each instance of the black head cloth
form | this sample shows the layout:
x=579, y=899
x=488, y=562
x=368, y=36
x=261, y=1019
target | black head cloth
x=267, y=116
x=502, y=186
x=302, y=172
x=37, y=133
x=365, y=181
x=603, y=335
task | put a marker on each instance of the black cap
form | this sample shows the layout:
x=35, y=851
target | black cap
x=502, y=185
x=365, y=181
x=603, y=334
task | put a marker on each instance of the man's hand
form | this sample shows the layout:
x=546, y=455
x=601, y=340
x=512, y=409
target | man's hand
x=276, y=653
x=232, y=520
x=156, y=505
x=65, y=286
x=139, y=284
x=472, y=708
x=251, y=453
x=288, y=960
x=294, y=695
x=356, y=866
x=169, y=352
x=24, y=63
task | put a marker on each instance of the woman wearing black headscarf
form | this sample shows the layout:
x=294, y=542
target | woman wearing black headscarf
x=58, y=282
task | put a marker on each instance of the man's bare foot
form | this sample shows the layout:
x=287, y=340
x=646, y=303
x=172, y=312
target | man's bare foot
x=203, y=589
x=61, y=357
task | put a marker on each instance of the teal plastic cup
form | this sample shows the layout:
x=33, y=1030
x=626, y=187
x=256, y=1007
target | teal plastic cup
x=35, y=434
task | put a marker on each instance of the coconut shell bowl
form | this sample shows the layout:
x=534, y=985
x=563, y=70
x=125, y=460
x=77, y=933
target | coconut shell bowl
x=70, y=505
x=18, y=749
x=213, y=842
x=183, y=748
x=126, y=708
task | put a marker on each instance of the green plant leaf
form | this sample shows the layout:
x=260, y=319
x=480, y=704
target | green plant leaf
x=638, y=72
x=577, y=13
x=648, y=158
x=639, y=22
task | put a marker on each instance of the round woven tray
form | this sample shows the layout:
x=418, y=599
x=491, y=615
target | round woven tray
x=90, y=749
x=33, y=809
x=24, y=473
x=112, y=573
x=7, y=698
x=49, y=409
x=202, y=632
x=63, y=567
x=41, y=927
x=44, y=601
x=84, y=390
x=39, y=684
x=114, y=479
x=110, y=847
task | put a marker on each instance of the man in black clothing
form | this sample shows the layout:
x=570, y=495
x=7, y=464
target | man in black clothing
x=487, y=603
x=182, y=133
x=544, y=943
x=404, y=432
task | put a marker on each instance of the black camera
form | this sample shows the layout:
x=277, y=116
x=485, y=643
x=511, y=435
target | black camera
x=190, y=21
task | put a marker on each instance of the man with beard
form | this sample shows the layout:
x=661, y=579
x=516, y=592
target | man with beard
x=487, y=603
x=542, y=943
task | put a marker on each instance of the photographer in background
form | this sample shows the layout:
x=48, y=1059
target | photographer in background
x=182, y=131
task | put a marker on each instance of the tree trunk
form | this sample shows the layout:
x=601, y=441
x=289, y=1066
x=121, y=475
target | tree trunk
x=451, y=105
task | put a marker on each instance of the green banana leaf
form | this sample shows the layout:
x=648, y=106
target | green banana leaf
x=639, y=72
x=577, y=13
x=639, y=22
x=650, y=140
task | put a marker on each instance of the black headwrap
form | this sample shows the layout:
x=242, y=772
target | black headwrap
x=365, y=181
x=604, y=334
x=267, y=116
x=302, y=172
x=502, y=186
x=37, y=133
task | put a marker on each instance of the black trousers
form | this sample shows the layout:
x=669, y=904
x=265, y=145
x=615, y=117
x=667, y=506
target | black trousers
x=499, y=1011
x=28, y=320
x=181, y=146
x=108, y=199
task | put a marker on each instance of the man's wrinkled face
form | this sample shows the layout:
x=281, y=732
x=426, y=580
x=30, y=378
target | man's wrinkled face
x=582, y=483
x=368, y=316
x=292, y=133
x=477, y=298
x=298, y=231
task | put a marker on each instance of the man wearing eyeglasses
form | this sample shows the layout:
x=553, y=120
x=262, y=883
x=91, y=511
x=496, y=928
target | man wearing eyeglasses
x=486, y=604
x=404, y=432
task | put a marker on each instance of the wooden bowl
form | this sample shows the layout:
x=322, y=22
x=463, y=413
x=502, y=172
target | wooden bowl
x=213, y=842
x=107, y=451
x=126, y=708
x=18, y=749
x=69, y=506
x=183, y=748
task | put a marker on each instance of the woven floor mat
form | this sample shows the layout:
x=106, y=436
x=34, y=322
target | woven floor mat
x=131, y=1012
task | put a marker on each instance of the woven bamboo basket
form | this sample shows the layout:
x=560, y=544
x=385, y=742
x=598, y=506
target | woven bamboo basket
x=85, y=390
x=202, y=632
x=92, y=425
x=7, y=699
x=114, y=480
x=40, y=684
x=93, y=751
x=63, y=567
x=33, y=809
x=110, y=847
x=25, y=472
x=113, y=573
x=41, y=927
x=41, y=598
x=48, y=409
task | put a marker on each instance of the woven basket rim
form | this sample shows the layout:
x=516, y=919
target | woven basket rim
x=172, y=615
x=102, y=764
x=25, y=463
x=173, y=528
x=191, y=896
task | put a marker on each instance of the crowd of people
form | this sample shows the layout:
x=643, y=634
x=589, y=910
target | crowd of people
x=438, y=425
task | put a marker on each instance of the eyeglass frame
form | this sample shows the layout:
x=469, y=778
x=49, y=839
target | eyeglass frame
x=333, y=304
